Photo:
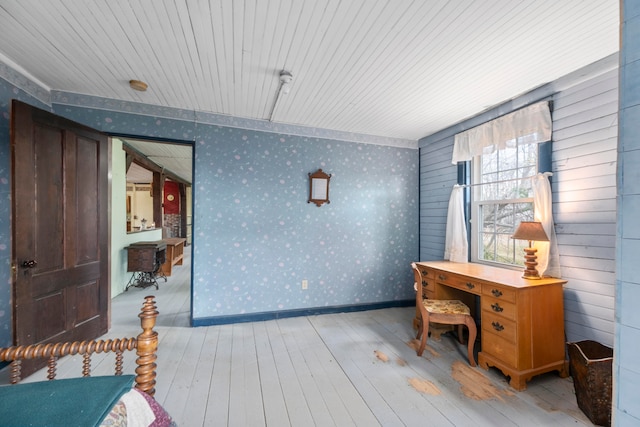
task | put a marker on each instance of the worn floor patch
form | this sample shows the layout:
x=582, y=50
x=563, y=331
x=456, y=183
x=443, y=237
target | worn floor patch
x=474, y=384
x=424, y=386
x=414, y=344
x=380, y=355
x=401, y=362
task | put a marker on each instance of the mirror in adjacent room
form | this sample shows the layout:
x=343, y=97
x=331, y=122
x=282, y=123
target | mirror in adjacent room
x=139, y=201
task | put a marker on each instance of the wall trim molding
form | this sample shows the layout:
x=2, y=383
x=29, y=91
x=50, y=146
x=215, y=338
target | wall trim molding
x=22, y=80
x=272, y=315
x=200, y=117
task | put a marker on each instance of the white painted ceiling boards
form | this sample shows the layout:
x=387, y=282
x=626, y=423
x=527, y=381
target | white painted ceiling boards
x=396, y=68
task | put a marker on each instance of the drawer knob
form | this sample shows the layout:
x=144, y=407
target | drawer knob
x=442, y=277
x=470, y=285
x=496, y=307
x=497, y=326
x=496, y=292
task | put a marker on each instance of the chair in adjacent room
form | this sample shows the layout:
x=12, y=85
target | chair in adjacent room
x=449, y=312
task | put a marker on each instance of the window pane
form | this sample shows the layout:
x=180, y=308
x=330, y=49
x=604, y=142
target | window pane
x=490, y=191
x=488, y=247
x=504, y=218
x=503, y=200
x=522, y=212
x=505, y=248
x=499, y=221
x=519, y=251
x=508, y=158
x=527, y=155
x=525, y=188
x=487, y=214
x=490, y=163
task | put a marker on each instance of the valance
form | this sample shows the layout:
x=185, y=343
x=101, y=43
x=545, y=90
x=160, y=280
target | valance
x=532, y=123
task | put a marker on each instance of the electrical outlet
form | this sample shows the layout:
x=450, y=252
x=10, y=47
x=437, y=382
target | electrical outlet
x=305, y=284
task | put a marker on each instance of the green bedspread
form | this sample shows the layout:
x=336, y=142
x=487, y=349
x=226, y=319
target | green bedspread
x=68, y=402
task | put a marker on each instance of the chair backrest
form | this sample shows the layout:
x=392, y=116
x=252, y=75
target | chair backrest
x=417, y=282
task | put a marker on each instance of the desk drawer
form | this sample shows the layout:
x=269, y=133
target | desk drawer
x=500, y=348
x=466, y=284
x=500, y=293
x=499, y=326
x=426, y=293
x=427, y=273
x=428, y=285
x=499, y=307
x=428, y=289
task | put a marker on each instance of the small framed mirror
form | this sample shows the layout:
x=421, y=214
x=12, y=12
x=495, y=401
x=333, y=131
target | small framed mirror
x=319, y=187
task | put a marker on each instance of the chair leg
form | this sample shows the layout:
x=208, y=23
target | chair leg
x=471, y=324
x=423, y=331
x=423, y=344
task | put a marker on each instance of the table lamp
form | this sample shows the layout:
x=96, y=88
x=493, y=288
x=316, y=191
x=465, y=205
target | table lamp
x=531, y=231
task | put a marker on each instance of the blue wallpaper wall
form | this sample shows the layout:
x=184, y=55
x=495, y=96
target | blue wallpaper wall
x=260, y=238
x=255, y=237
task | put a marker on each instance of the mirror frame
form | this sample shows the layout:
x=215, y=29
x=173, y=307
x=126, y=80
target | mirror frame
x=319, y=187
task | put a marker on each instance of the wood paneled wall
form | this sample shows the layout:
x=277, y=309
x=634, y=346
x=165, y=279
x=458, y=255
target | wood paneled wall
x=585, y=137
x=626, y=365
x=437, y=178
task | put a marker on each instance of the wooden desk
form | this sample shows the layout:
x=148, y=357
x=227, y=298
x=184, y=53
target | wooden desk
x=175, y=253
x=522, y=320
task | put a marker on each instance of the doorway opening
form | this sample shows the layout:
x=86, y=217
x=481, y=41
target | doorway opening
x=152, y=201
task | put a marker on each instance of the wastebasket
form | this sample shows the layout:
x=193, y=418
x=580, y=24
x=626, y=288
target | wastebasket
x=591, y=368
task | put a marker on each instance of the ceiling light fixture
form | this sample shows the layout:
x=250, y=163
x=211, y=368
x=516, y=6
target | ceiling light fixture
x=285, y=87
x=138, y=85
x=285, y=81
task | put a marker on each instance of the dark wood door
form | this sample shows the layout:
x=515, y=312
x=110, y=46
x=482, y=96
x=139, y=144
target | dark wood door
x=60, y=214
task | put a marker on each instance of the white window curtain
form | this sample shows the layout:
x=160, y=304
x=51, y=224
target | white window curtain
x=532, y=122
x=548, y=256
x=456, y=246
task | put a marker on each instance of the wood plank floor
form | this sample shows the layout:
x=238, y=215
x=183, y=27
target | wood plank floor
x=352, y=369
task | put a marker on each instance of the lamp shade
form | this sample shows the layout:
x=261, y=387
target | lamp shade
x=530, y=230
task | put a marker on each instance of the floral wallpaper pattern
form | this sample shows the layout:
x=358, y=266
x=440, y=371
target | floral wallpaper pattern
x=260, y=237
x=255, y=237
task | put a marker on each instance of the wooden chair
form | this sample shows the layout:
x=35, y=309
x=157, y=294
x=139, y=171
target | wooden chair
x=449, y=312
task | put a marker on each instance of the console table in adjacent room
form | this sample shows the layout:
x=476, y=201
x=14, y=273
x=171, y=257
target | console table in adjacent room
x=175, y=253
x=145, y=260
x=522, y=320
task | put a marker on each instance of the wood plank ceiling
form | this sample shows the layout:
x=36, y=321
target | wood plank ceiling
x=176, y=158
x=396, y=68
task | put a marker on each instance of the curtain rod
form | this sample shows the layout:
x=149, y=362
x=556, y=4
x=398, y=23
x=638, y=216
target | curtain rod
x=547, y=174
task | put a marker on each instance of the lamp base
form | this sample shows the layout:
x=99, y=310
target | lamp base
x=530, y=272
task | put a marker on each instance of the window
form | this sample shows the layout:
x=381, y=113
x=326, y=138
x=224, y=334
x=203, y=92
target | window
x=504, y=153
x=502, y=197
